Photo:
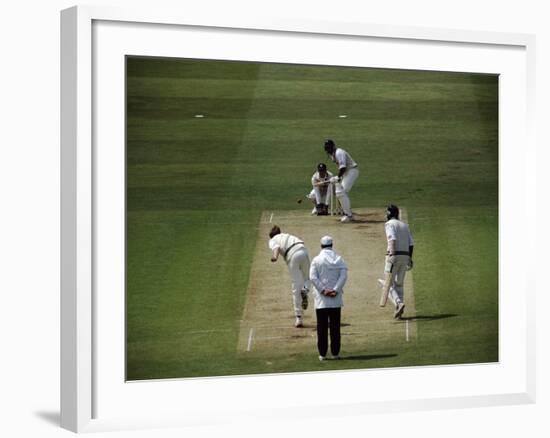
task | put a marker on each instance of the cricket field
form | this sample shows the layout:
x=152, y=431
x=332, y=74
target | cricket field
x=218, y=152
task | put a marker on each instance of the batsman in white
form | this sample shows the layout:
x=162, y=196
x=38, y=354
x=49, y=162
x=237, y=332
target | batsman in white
x=320, y=193
x=398, y=260
x=348, y=172
x=293, y=250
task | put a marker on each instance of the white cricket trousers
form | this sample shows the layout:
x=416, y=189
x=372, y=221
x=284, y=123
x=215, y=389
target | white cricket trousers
x=397, y=270
x=344, y=187
x=321, y=195
x=298, y=268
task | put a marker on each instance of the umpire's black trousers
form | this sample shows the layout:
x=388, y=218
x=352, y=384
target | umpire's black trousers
x=328, y=318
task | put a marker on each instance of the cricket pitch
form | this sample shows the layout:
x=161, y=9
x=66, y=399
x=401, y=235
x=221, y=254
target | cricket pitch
x=267, y=325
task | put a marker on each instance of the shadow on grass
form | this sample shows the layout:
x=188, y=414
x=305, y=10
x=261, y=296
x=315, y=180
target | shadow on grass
x=428, y=317
x=368, y=356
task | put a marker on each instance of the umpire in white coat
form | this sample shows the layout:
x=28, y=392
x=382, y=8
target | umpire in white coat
x=328, y=274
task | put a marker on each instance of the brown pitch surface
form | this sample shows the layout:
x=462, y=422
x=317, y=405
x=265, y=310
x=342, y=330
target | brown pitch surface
x=267, y=325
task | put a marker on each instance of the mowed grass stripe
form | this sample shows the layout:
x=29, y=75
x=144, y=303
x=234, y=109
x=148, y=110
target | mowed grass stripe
x=166, y=108
x=156, y=188
x=407, y=132
x=299, y=88
x=467, y=252
x=208, y=69
x=178, y=292
x=191, y=275
x=178, y=265
x=432, y=152
x=284, y=196
x=449, y=154
x=457, y=261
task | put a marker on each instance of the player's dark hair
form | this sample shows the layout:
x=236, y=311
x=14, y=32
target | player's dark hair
x=321, y=167
x=274, y=231
x=329, y=146
x=392, y=211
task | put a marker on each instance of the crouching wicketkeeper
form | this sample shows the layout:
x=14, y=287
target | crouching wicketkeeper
x=320, y=193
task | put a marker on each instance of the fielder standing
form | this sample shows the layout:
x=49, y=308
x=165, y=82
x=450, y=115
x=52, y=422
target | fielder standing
x=398, y=259
x=320, y=193
x=347, y=174
x=293, y=250
x=328, y=274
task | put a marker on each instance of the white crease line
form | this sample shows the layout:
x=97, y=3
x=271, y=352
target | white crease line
x=271, y=217
x=407, y=330
x=250, y=335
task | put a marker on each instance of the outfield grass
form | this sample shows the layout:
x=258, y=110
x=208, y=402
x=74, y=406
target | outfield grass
x=196, y=188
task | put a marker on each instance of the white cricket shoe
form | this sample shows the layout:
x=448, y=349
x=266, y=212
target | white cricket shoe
x=299, y=323
x=322, y=358
x=314, y=211
x=345, y=219
x=337, y=357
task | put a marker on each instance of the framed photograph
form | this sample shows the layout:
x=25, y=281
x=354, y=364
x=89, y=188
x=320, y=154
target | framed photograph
x=242, y=204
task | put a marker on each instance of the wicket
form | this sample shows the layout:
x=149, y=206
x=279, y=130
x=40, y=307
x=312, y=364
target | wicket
x=335, y=207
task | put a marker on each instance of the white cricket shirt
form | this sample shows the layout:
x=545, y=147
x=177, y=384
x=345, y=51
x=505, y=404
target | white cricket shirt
x=343, y=159
x=400, y=232
x=316, y=178
x=283, y=242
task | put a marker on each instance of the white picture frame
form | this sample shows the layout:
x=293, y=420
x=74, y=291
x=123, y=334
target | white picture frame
x=82, y=373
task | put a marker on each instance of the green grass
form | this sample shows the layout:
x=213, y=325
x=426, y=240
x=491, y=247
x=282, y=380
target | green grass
x=196, y=188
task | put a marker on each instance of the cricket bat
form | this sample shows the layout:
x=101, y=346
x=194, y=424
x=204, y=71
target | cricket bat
x=386, y=287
